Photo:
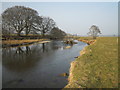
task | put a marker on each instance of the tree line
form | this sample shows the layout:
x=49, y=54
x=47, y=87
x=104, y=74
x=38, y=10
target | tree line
x=22, y=20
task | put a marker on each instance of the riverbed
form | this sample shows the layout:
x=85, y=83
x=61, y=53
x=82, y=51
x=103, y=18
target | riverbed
x=38, y=65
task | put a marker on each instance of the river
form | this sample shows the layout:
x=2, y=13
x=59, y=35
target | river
x=38, y=65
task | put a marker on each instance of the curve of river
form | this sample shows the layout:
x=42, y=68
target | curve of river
x=38, y=65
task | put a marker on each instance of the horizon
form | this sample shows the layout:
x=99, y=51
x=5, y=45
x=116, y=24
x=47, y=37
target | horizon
x=76, y=17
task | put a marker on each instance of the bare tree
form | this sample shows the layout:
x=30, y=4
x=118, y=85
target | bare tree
x=20, y=18
x=37, y=26
x=45, y=26
x=31, y=19
x=94, y=31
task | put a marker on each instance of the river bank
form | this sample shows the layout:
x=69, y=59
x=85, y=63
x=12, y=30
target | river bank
x=14, y=43
x=87, y=40
x=97, y=65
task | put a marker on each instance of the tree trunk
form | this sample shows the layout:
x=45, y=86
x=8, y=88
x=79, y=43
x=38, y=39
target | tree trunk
x=18, y=34
x=43, y=33
x=26, y=33
x=27, y=30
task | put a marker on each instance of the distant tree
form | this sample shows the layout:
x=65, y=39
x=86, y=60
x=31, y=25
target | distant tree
x=57, y=33
x=94, y=31
x=19, y=18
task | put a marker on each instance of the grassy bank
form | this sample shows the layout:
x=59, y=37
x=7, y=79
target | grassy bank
x=97, y=67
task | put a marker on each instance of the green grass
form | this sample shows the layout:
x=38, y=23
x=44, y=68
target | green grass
x=98, y=67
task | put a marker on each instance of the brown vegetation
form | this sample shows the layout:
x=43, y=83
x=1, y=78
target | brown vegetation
x=88, y=41
x=21, y=41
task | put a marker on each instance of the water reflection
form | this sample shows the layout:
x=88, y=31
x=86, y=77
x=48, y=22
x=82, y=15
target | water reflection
x=38, y=65
x=22, y=58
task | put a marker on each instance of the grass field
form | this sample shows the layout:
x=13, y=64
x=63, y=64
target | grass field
x=97, y=67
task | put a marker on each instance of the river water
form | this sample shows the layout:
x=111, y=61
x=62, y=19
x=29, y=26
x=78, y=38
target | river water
x=38, y=65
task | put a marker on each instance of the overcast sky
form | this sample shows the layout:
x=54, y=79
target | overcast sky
x=77, y=17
